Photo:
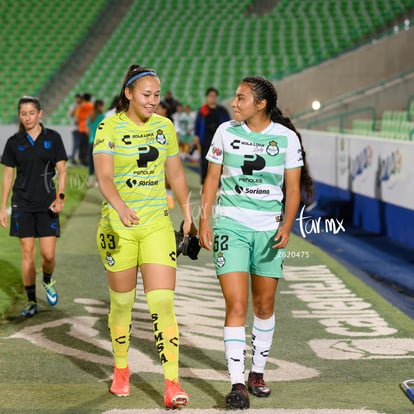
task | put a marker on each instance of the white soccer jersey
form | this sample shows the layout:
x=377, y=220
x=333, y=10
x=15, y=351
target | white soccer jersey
x=253, y=171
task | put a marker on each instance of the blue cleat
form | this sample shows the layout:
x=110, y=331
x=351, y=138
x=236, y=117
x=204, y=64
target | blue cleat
x=51, y=292
x=30, y=310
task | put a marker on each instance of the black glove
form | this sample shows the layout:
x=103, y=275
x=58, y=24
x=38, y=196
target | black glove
x=188, y=245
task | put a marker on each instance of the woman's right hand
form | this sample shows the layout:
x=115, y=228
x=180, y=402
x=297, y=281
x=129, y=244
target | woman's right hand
x=4, y=218
x=128, y=216
x=205, y=235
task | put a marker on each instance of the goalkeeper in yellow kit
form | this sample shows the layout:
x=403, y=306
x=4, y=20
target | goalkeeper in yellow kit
x=134, y=150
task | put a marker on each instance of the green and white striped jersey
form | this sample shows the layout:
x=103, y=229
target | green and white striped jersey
x=253, y=171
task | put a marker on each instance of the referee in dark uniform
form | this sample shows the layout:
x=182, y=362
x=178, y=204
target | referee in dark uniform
x=35, y=154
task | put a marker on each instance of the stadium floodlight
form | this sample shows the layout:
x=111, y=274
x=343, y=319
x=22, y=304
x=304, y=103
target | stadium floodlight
x=316, y=105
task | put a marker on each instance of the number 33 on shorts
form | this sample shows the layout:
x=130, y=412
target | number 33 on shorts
x=107, y=241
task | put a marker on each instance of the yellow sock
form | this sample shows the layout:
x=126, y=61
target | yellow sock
x=119, y=323
x=161, y=306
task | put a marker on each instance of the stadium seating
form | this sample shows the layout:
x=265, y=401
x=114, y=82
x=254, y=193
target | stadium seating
x=411, y=110
x=191, y=44
x=222, y=49
x=393, y=125
x=362, y=127
x=36, y=37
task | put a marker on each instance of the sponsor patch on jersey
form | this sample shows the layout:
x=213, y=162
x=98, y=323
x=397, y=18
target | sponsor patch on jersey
x=216, y=152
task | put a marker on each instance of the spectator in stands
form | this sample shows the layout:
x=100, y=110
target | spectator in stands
x=84, y=110
x=33, y=155
x=261, y=164
x=93, y=121
x=133, y=151
x=208, y=118
x=75, y=134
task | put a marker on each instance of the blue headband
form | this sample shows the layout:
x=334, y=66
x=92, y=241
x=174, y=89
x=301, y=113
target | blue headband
x=139, y=75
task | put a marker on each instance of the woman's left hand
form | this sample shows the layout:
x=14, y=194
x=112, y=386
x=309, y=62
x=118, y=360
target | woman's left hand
x=57, y=206
x=281, y=238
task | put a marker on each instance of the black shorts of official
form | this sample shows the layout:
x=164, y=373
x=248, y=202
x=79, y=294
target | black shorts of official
x=39, y=224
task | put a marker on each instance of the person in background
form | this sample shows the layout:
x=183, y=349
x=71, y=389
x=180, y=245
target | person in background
x=162, y=109
x=93, y=121
x=75, y=135
x=134, y=150
x=83, y=112
x=193, y=151
x=191, y=115
x=184, y=124
x=112, y=107
x=259, y=159
x=208, y=118
x=33, y=155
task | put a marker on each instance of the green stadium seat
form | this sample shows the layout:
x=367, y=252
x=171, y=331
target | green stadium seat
x=219, y=51
x=37, y=38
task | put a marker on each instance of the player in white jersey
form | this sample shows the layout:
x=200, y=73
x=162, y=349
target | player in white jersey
x=259, y=160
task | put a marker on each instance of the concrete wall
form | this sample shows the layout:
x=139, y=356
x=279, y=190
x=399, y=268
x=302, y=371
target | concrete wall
x=349, y=72
x=354, y=70
x=395, y=97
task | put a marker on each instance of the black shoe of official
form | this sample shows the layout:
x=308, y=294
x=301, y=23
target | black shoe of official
x=238, y=397
x=257, y=386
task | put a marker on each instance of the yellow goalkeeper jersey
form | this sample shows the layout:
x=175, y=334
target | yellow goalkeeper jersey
x=139, y=155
